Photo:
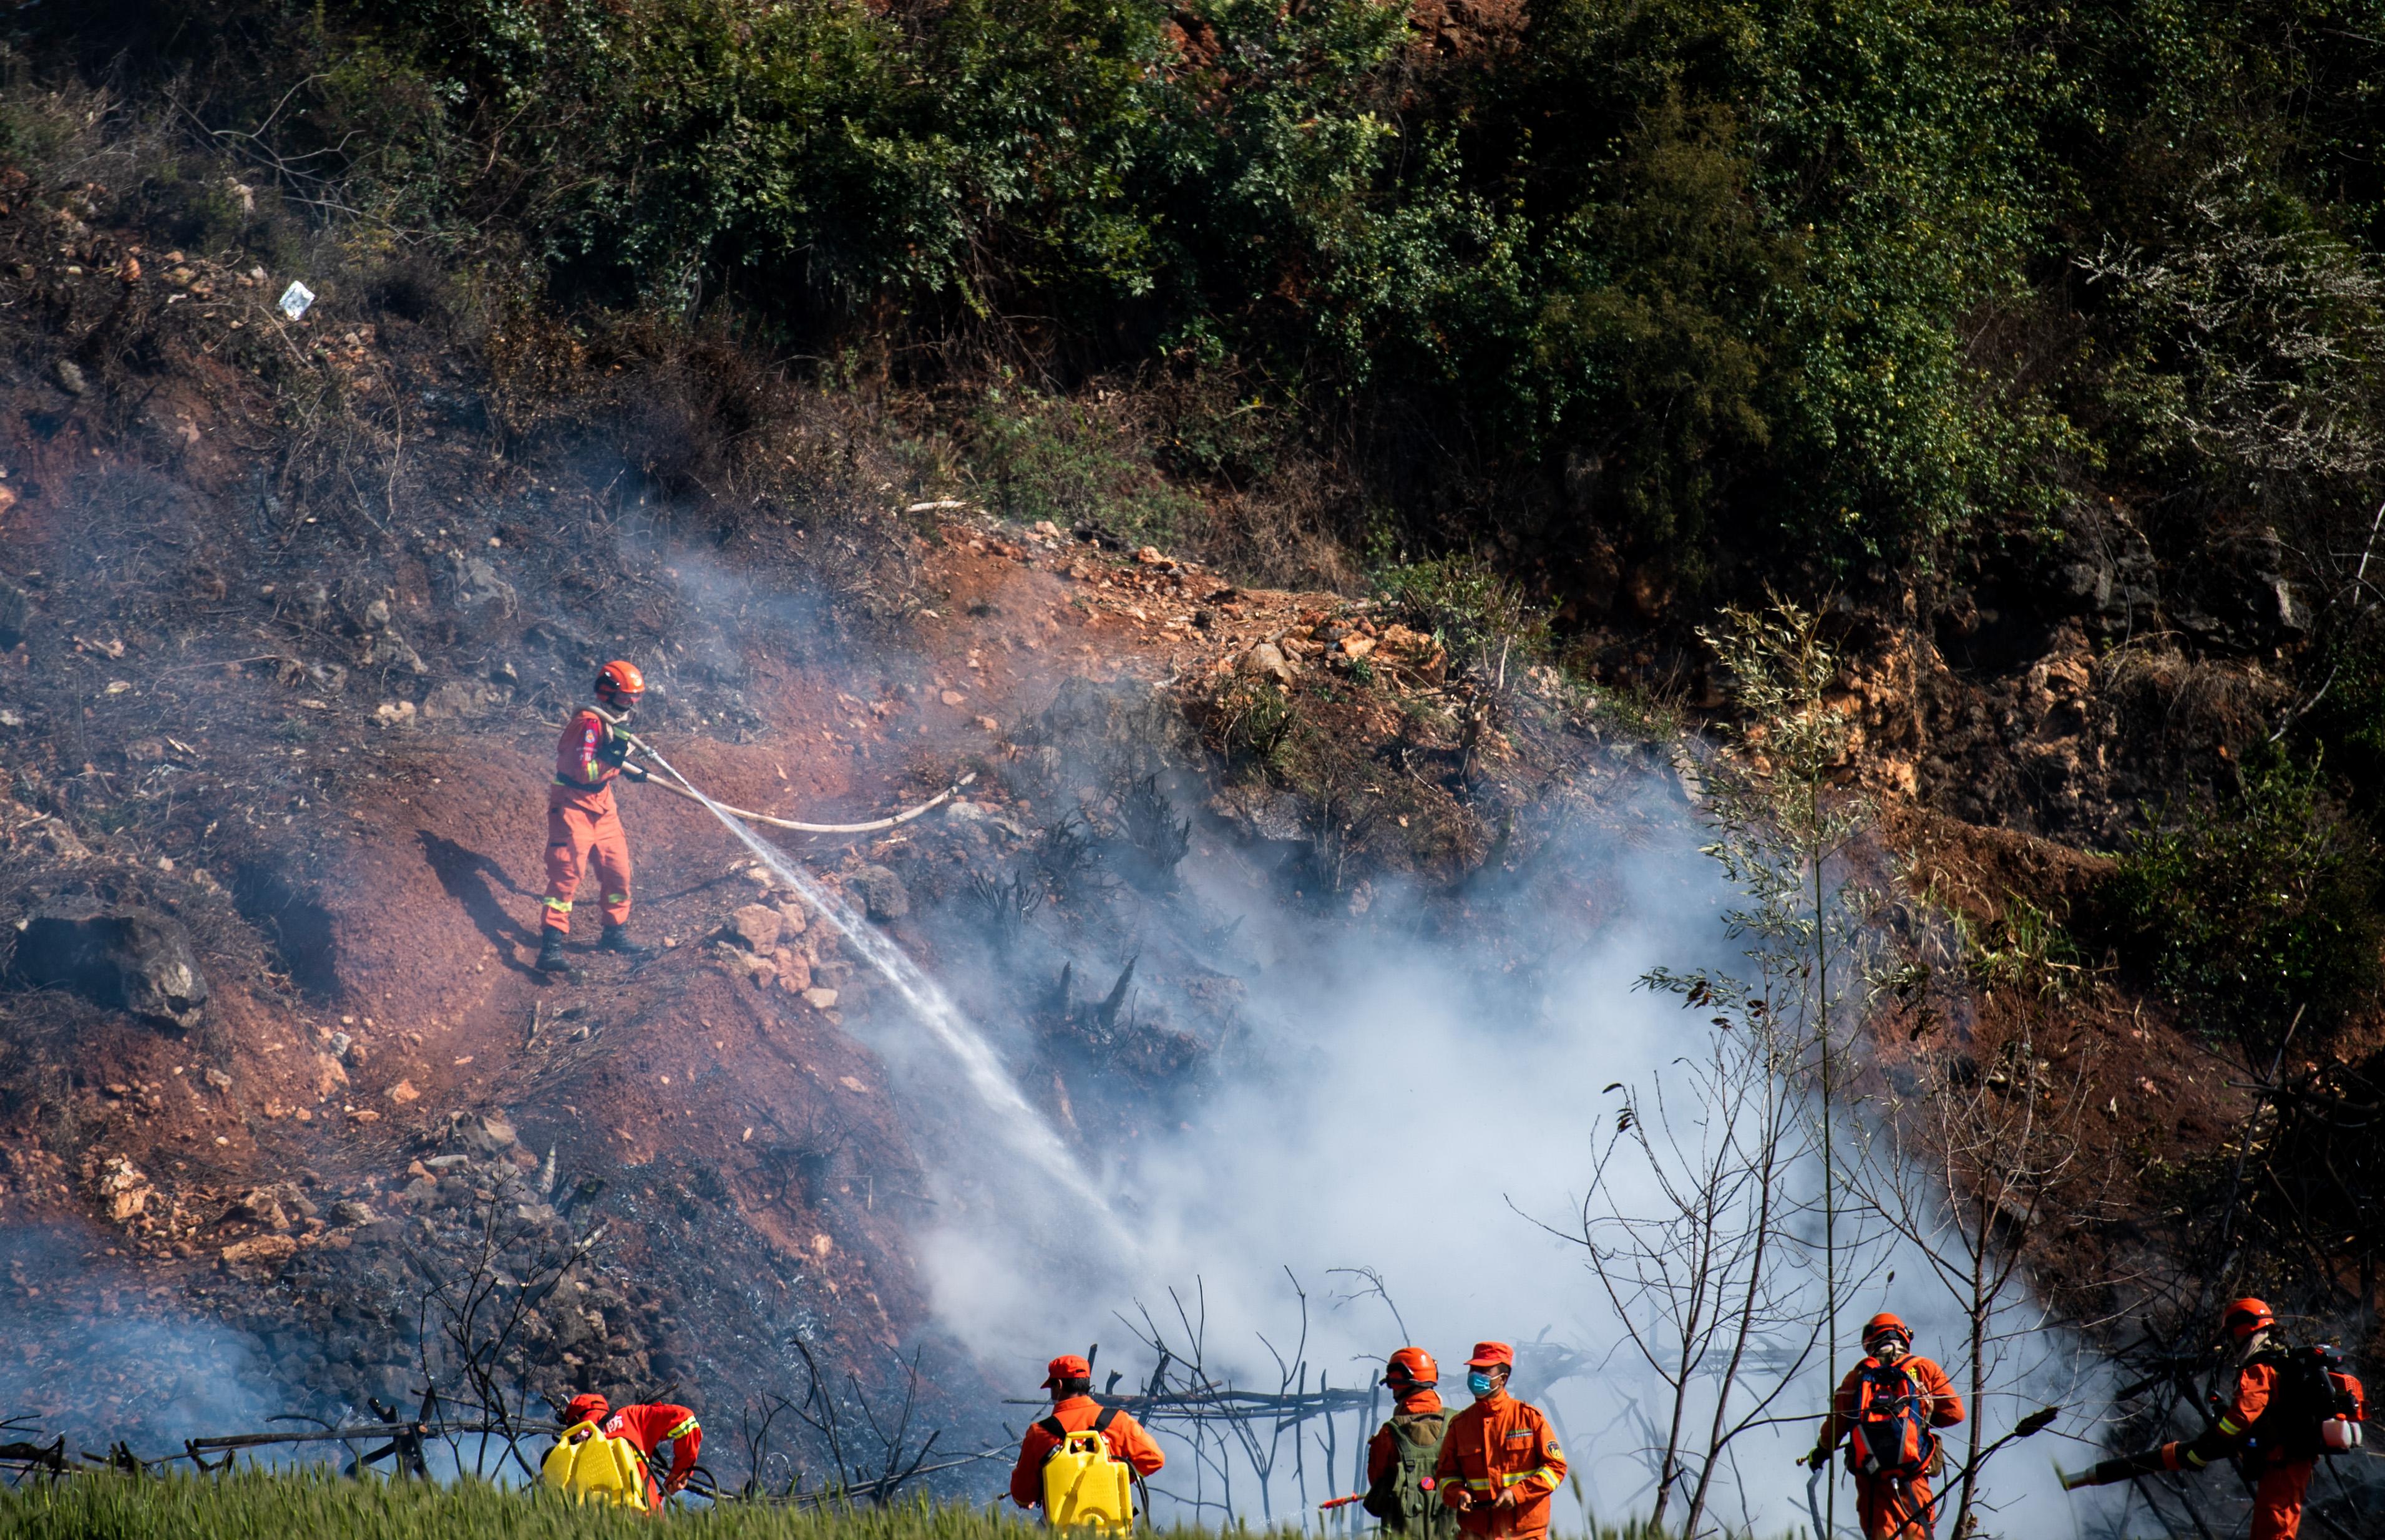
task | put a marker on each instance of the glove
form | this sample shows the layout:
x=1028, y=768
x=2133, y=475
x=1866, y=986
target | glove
x=614, y=751
x=676, y=1483
x=1814, y=1460
x=635, y=774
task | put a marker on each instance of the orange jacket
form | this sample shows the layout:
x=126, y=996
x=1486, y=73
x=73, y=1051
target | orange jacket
x=1124, y=1436
x=650, y=1426
x=2255, y=1384
x=1500, y=1444
x=582, y=759
x=1379, y=1450
x=1945, y=1406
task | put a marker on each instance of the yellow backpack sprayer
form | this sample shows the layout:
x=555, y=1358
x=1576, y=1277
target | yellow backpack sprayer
x=595, y=1469
x=1085, y=1487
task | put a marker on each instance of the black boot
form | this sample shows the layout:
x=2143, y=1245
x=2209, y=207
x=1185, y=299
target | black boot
x=617, y=939
x=550, y=953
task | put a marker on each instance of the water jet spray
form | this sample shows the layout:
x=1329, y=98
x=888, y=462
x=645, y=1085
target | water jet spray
x=1022, y=1125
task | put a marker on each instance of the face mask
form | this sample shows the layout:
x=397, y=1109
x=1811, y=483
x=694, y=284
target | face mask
x=1479, y=1383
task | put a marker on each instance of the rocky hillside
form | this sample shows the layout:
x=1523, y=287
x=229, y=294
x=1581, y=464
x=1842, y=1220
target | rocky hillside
x=364, y=385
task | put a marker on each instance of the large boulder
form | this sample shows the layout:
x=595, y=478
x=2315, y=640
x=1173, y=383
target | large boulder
x=131, y=959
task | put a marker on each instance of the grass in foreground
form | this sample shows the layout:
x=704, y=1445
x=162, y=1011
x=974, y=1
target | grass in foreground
x=277, y=1506
x=306, y=1506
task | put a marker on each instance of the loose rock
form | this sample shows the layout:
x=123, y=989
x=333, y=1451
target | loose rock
x=757, y=927
x=1265, y=661
x=883, y=894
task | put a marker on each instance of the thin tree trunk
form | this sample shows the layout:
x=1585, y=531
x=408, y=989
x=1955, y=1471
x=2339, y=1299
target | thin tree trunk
x=1830, y=1159
x=1978, y=1377
x=1747, y=1329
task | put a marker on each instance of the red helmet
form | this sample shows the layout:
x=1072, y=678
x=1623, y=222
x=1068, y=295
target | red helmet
x=2241, y=1318
x=589, y=1408
x=619, y=681
x=1412, y=1366
x=1886, y=1325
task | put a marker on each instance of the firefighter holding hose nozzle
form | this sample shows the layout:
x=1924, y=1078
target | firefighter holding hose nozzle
x=1889, y=1409
x=2288, y=1407
x=583, y=827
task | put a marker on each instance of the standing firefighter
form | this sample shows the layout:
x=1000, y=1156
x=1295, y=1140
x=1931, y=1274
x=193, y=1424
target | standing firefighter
x=645, y=1429
x=1889, y=1409
x=2289, y=1407
x=583, y=827
x=1499, y=1461
x=1081, y=1481
x=1401, y=1457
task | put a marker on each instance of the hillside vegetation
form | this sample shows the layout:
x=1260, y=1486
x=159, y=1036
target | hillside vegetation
x=1684, y=292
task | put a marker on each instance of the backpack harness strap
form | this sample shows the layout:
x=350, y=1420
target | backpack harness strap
x=1101, y=1424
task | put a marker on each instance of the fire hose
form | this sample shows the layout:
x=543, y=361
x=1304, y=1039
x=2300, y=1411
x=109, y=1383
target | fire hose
x=906, y=816
x=688, y=792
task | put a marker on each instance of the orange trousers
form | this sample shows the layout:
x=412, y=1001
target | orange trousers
x=1894, y=1510
x=583, y=833
x=2278, y=1500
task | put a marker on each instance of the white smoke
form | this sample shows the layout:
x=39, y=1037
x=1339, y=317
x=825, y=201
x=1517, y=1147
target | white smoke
x=87, y=1354
x=1410, y=1109
x=1410, y=1105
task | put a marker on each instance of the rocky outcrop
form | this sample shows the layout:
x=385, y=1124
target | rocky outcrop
x=130, y=959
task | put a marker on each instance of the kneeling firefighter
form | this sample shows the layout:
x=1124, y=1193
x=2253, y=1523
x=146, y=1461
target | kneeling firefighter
x=1401, y=1457
x=638, y=1432
x=1075, y=1462
x=2288, y=1407
x=1889, y=1409
x=583, y=826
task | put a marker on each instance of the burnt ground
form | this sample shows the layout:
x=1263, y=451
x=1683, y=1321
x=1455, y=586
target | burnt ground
x=287, y=610
x=307, y=713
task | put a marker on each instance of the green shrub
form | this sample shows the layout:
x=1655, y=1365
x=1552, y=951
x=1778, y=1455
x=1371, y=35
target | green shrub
x=2253, y=911
x=1058, y=459
x=1481, y=617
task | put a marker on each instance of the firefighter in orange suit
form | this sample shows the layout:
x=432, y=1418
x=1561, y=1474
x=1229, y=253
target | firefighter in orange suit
x=1890, y=1404
x=2277, y=1462
x=1413, y=1377
x=1500, y=1461
x=583, y=827
x=1069, y=1378
x=647, y=1427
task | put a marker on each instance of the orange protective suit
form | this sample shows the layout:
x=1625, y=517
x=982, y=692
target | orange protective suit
x=2278, y=1487
x=649, y=1427
x=1497, y=1445
x=583, y=827
x=1381, y=1450
x=1124, y=1436
x=1893, y=1509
